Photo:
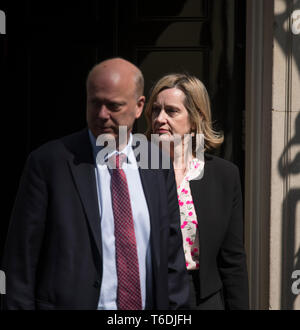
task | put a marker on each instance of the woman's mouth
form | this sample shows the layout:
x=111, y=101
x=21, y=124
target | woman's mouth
x=161, y=131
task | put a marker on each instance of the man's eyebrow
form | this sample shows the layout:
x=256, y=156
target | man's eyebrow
x=94, y=98
x=116, y=102
x=97, y=99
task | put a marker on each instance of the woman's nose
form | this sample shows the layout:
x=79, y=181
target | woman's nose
x=161, y=118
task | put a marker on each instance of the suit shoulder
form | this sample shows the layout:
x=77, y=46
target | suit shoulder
x=221, y=165
x=55, y=148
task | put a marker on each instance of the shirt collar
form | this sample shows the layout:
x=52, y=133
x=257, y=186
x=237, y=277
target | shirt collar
x=196, y=169
x=127, y=150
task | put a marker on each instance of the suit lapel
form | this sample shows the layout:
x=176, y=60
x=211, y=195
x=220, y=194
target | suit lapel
x=148, y=180
x=147, y=183
x=83, y=171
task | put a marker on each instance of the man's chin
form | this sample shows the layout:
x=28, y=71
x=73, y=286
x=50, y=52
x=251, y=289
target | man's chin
x=104, y=131
x=107, y=135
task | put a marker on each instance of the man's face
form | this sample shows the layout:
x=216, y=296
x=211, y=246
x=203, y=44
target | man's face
x=112, y=102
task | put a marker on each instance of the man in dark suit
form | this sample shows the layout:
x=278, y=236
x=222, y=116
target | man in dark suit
x=66, y=246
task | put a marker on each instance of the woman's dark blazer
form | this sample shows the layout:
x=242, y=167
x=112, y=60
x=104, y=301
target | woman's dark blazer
x=219, y=207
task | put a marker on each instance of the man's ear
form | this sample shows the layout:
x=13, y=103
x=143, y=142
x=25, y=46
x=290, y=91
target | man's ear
x=140, y=106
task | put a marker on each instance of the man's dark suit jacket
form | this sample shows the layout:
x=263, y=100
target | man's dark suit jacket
x=53, y=257
x=218, y=204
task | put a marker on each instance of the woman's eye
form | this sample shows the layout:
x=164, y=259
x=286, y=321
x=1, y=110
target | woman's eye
x=155, y=109
x=171, y=110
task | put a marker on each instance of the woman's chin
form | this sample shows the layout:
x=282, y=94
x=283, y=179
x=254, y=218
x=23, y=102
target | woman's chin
x=166, y=137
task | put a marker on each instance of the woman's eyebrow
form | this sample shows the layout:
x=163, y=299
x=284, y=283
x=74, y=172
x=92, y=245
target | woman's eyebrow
x=172, y=106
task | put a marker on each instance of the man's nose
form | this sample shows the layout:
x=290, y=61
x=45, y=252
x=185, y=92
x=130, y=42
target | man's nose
x=103, y=112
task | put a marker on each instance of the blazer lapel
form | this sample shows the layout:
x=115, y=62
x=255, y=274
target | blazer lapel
x=83, y=171
x=202, y=203
x=200, y=199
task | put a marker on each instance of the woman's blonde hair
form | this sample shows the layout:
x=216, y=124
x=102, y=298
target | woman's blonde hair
x=196, y=102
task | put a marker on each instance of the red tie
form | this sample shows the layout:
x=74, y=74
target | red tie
x=129, y=290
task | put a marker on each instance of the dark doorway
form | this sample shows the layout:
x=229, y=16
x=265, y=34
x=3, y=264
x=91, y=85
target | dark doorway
x=51, y=45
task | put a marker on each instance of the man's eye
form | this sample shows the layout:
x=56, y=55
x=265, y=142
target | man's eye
x=113, y=106
x=96, y=103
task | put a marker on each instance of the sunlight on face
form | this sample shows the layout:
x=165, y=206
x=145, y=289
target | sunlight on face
x=169, y=115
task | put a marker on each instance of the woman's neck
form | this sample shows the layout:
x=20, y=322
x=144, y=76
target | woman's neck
x=181, y=158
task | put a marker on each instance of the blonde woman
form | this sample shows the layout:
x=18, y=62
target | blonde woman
x=209, y=194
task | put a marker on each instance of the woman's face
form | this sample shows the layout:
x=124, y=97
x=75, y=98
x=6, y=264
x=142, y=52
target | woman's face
x=169, y=115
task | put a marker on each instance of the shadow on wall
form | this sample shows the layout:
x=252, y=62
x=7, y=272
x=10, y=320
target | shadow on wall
x=288, y=167
x=290, y=260
x=281, y=33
